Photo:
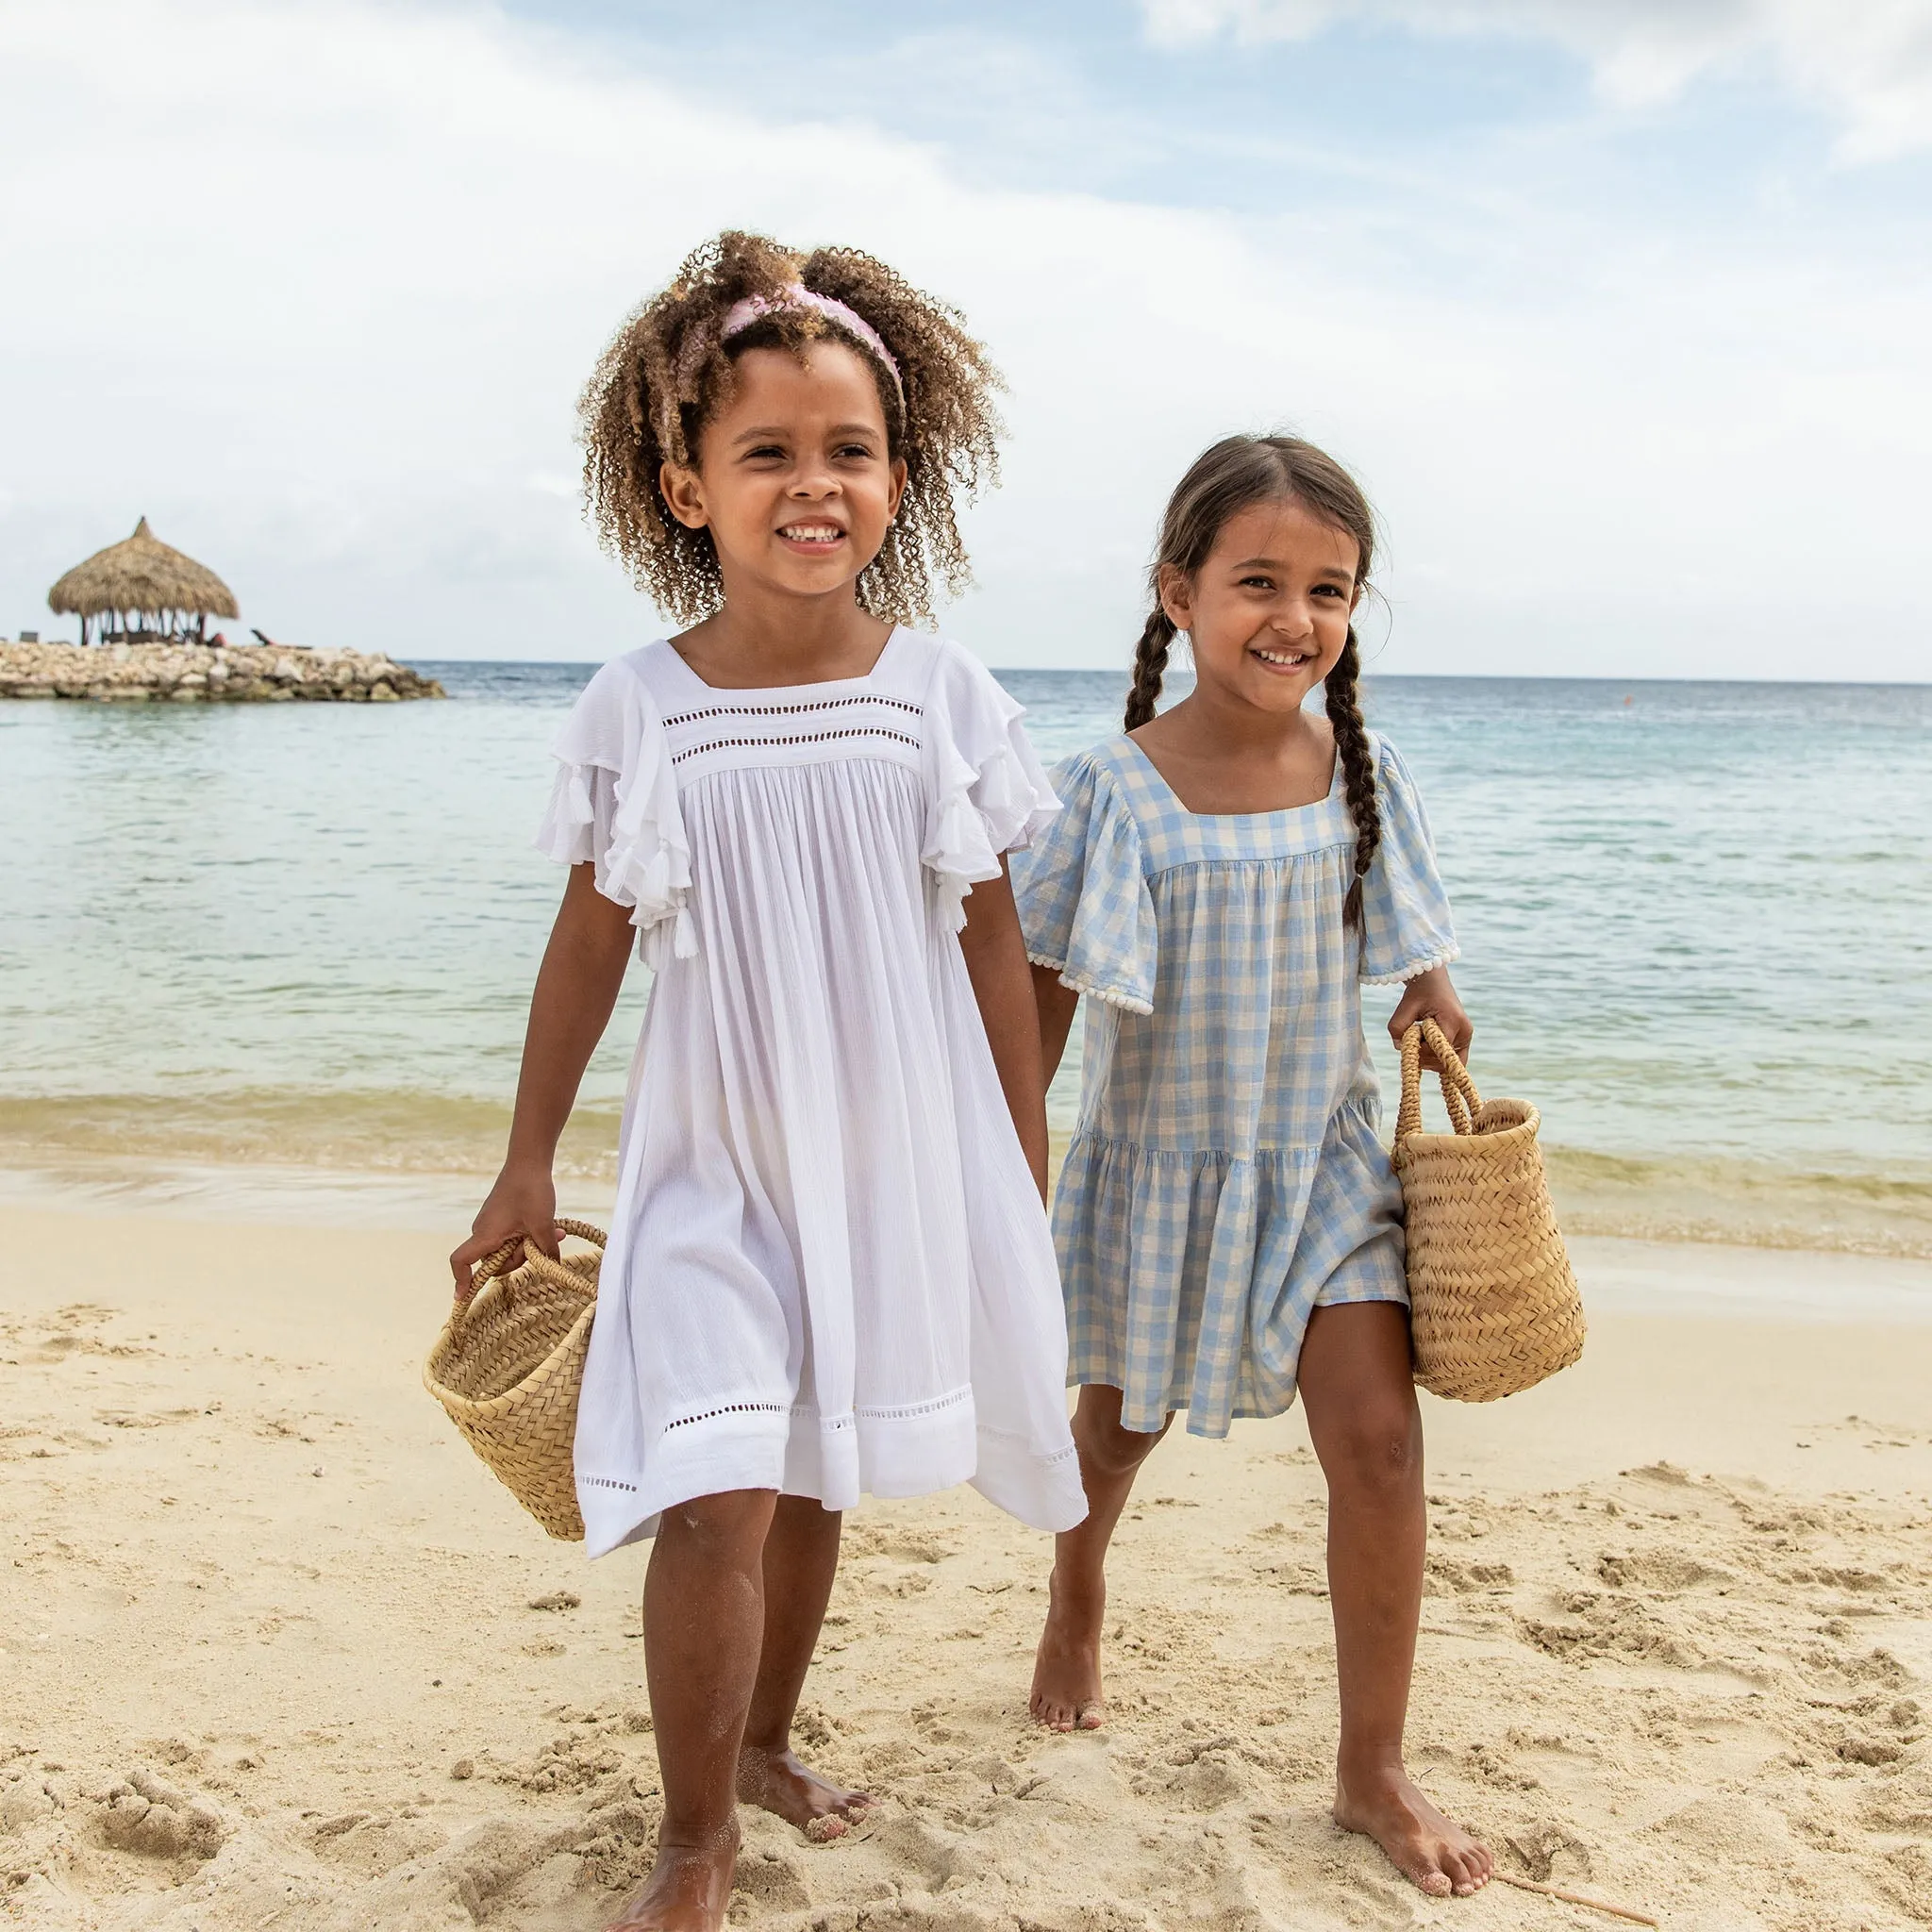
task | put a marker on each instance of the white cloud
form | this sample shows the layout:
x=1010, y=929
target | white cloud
x=316, y=283
x=1868, y=64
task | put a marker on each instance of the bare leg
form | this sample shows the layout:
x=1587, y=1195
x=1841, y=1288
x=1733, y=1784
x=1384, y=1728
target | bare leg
x=1066, y=1670
x=800, y=1560
x=703, y=1627
x=1362, y=1417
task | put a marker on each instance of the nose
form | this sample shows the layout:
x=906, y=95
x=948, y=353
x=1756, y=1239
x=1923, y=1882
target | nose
x=812, y=481
x=1294, y=622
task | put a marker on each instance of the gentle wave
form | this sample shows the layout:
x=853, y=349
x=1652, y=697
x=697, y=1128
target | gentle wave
x=370, y=1132
x=1747, y=1202
x=133, y=1139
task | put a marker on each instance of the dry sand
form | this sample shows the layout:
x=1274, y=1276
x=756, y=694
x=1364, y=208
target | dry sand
x=275, y=1652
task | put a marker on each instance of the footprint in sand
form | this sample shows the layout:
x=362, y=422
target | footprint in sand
x=772, y=1882
x=1658, y=1571
x=370, y=1843
x=141, y=1814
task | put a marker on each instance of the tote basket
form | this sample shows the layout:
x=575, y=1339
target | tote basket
x=1493, y=1304
x=507, y=1367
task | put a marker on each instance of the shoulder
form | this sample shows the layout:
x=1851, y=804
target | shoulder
x=1100, y=797
x=622, y=701
x=949, y=675
x=1392, y=769
x=1095, y=772
x=950, y=659
x=630, y=673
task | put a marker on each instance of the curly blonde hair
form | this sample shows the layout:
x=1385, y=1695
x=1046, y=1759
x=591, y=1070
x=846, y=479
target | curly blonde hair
x=666, y=369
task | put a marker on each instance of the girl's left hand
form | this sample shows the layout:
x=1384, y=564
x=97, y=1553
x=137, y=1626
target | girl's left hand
x=1429, y=995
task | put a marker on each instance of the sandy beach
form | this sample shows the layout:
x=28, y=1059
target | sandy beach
x=279, y=1652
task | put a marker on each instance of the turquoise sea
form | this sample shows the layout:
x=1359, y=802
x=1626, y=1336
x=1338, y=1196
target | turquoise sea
x=1696, y=918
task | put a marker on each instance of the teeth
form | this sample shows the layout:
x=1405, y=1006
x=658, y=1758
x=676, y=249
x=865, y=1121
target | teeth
x=1283, y=657
x=813, y=533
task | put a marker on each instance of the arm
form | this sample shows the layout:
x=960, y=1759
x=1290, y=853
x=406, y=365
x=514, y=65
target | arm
x=996, y=964
x=1056, y=1004
x=576, y=987
x=1431, y=994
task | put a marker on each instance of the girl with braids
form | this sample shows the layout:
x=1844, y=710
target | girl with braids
x=829, y=1269
x=1221, y=879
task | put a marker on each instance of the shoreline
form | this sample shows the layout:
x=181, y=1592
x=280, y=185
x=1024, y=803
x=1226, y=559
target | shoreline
x=250, y=1149
x=1621, y=1273
x=1670, y=1648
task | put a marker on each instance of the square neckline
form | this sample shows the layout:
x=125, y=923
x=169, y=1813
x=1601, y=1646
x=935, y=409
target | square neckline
x=729, y=692
x=1235, y=818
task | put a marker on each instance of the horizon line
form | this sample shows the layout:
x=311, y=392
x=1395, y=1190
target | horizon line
x=1443, y=676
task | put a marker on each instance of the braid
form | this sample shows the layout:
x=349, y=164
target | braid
x=1150, y=661
x=1357, y=770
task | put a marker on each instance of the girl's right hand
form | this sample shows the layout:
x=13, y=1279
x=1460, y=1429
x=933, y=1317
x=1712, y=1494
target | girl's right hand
x=523, y=1202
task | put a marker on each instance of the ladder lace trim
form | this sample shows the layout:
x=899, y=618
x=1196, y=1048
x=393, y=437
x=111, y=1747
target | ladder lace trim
x=697, y=751
x=684, y=1421
x=909, y=1411
x=791, y=710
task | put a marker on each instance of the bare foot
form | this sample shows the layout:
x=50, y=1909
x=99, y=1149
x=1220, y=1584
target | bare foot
x=1066, y=1667
x=1432, y=1852
x=688, y=1891
x=777, y=1782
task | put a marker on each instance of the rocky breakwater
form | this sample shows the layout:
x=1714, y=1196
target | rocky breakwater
x=203, y=673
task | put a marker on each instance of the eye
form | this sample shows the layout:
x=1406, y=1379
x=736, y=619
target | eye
x=1328, y=591
x=1257, y=582
x=860, y=452
x=765, y=452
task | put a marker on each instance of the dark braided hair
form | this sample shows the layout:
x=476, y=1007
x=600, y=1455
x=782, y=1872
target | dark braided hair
x=1150, y=666
x=666, y=369
x=1234, y=475
x=1358, y=769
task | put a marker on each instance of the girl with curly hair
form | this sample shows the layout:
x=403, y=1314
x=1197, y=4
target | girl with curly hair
x=829, y=1271
x=1224, y=877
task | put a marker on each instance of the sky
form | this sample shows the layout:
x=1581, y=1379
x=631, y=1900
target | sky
x=1620, y=310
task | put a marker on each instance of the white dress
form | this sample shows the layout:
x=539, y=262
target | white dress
x=829, y=1273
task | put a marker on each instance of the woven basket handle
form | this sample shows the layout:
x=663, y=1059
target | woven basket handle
x=1458, y=1090
x=505, y=1260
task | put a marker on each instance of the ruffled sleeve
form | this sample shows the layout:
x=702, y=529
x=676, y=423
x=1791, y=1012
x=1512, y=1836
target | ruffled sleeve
x=614, y=807
x=985, y=794
x=1084, y=905
x=1406, y=925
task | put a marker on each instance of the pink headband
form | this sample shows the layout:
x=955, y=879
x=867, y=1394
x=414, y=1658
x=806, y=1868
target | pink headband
x=742, y=314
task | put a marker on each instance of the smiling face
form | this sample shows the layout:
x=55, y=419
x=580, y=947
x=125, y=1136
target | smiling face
x=795, y=479
x=1268, y=610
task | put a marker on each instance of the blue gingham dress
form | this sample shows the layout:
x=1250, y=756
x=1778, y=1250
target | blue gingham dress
x=1227, y=1178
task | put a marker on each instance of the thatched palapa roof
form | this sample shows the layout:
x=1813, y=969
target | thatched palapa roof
x=141, y=574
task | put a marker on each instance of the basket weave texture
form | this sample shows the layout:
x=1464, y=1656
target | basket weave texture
x=508, y=1368
x=1493, y=1303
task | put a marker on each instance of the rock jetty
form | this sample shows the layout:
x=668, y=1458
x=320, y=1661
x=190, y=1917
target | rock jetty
x=189, y=673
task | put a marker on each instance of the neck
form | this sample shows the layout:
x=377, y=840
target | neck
x=1218, y=723
x=765, y=636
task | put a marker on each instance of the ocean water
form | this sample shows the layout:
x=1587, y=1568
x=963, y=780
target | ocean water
x=1696, y=920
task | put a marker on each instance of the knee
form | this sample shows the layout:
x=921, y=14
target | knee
x=1378, y=1452
x=1110, y=1450
x=733, y=1521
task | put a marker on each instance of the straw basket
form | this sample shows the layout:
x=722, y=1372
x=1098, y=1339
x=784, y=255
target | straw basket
x=507, y=1367
x=1493, y=1306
